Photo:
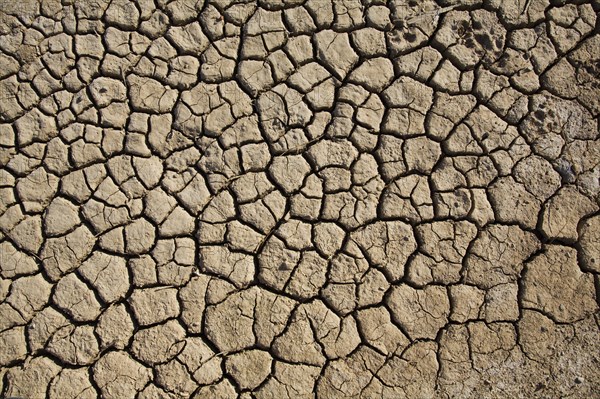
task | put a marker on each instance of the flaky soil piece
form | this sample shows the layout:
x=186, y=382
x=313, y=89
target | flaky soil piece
x=118, y=375
x=554, y=284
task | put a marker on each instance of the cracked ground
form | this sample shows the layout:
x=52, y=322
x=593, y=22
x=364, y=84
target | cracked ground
x=299, y=199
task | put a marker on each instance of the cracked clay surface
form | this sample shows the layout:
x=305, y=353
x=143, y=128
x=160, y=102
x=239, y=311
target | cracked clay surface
x=296, y=199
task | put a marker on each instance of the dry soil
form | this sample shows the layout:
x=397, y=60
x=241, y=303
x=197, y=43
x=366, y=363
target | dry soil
x=299, y=199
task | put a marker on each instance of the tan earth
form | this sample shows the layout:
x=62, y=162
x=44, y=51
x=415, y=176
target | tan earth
x=299, y=199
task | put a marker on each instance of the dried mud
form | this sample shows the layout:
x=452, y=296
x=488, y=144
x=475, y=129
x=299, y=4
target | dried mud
x=299, y=199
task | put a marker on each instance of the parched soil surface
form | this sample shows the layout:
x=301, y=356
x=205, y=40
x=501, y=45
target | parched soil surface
x=299, y=199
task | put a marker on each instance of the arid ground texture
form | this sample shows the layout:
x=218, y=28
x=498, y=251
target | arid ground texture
x=296, y=199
